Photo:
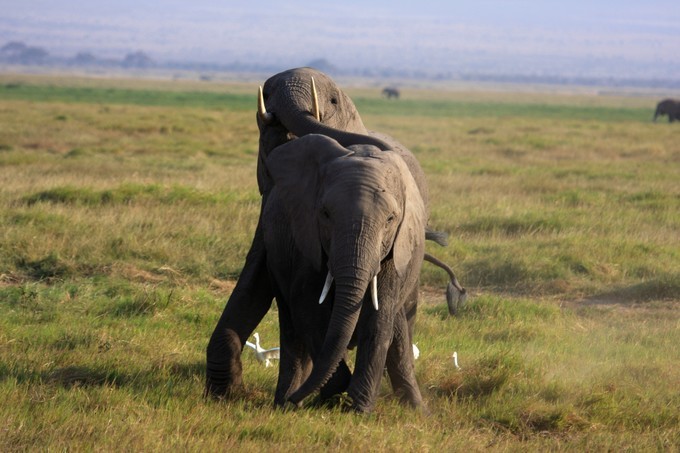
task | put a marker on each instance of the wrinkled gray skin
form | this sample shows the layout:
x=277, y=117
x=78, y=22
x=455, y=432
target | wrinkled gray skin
x=668, y=107
x=355, y=212
x=288, y=98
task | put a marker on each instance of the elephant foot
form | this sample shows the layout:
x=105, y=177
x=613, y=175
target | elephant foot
x=224, y=373
x=222, y=392
x=338, y=401
x=337, y=384
x=287, y=406
x=358, y=404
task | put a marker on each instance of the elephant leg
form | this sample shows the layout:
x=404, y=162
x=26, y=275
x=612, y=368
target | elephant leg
x=294, y=363
x=375, y=336
x=312, y=322
x=294, y=366
x=400, y=364
x=411, y=310
x=247, y=305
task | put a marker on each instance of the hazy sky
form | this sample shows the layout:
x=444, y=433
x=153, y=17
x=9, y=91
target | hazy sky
x=589, y=37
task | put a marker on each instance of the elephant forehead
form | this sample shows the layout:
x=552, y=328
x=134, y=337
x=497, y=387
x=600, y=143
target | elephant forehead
x=299, y=77
x=360, y=170
x=291, y=87
x=369, y=184
x=299, y=72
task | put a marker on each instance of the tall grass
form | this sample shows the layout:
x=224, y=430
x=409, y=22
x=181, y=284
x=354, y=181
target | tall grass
x=127, y=210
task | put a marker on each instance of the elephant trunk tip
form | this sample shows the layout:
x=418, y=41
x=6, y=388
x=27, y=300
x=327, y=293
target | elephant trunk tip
x=313, y=383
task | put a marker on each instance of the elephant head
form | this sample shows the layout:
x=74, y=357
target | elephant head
x=305, y=101
x=352, y=210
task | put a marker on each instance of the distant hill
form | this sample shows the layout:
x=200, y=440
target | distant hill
x=17, y=52
x=608, y=41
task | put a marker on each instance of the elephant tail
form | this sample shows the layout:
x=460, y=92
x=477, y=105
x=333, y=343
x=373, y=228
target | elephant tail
x=456, y=295
x=439, y=237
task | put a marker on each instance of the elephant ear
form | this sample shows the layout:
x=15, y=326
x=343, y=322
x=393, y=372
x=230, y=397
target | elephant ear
x=411, y=231
x=296, y=169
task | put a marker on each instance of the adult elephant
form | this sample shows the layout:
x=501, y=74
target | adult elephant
x=669, y=107
x=305, y=101
x=292, y=104
x=390, y=92
x=357, y=215
x=285, y=111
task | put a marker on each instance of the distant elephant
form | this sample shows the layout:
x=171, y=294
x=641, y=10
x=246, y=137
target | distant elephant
x=356, y=214
x=668, y=107
x=390, y=92
x=292, y=104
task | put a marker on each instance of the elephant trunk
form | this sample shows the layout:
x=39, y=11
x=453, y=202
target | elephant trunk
x=352, y=280
x=306, y=124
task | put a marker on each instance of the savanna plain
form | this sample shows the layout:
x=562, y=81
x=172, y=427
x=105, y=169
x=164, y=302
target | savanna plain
x=127, y=208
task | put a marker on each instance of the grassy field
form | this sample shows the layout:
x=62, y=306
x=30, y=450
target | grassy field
x=127, y=208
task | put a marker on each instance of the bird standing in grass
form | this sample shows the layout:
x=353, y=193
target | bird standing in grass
x=263, y=355
x=455, y=360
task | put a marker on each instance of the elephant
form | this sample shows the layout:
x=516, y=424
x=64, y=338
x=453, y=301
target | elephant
x=284, y=113
x=390, y=92
x=292, y=104
x=668, y=107
x=355, y=214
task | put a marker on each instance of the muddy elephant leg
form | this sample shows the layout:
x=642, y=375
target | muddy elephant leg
x=247, y=305
x=400, y=364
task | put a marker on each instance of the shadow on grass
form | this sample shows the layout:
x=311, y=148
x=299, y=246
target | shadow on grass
x=48, y=268
x=101, y=376
x=666, y=288
x=159, y=383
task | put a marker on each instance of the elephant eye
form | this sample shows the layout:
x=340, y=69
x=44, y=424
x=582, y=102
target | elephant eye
x=334, y=100
x=325, y=214
x=390, y=219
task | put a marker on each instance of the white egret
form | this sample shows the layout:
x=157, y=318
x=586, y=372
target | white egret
x=455, y=360
x=263, y=355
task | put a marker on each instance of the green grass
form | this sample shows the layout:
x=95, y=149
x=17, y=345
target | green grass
x=149, y=97
x=366, y=105
x=461, y=109
x=127, y=208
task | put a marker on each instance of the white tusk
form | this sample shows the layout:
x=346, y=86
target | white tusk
x=326, y=287
x=261, y=109
x=315, y=102
x=374, y=291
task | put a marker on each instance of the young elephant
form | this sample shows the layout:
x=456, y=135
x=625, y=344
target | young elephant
x=356, y=214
